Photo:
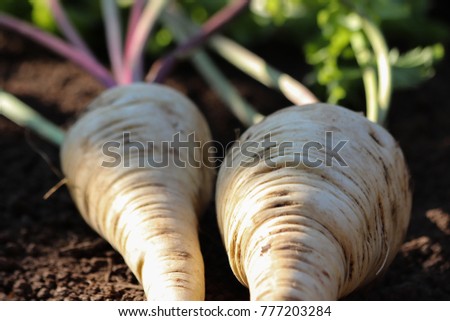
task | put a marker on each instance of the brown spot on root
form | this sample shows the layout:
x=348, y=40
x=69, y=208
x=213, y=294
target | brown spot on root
x=283, y=204
x=155, y=185
x=278, y=193
x=286, y=229
x=264, y=249
x=385, y=172
x=181, y=281
x=299, y=248
x=381, y=209
x=351, y=266
x=374, y=137
x=326, y=274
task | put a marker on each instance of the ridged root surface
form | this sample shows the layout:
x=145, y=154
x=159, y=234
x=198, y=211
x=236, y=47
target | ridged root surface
x=295, y=229
x=149, y=213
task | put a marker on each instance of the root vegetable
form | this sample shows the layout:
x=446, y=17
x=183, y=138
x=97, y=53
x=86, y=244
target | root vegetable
x=148, y=213
x=299, y=232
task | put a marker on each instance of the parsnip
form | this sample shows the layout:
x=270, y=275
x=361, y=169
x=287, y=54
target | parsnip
x=299, y=232
x=149, y=214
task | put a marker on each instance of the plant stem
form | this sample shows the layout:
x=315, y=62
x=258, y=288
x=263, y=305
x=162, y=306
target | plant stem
x=23, y=115
x=114, y=38
x=370, y=88
x=363, y=57
x=67, y=28
x=380, y=48
x=137, y=73
x=136, y=42
x=244, y=60
x=237, y=105
x=217, y=22
x=260, y=70
x=60, y=47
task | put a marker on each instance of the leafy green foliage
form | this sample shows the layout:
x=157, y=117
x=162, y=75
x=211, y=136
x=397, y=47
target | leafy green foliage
x=329, y=50
x=415, y=65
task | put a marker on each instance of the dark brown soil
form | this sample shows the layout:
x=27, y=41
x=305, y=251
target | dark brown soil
x=47, y=252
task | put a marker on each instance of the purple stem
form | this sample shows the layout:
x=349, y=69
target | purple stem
x=162, y=67
x=113, y=38
x=136, y=42
x=60, y=47
x=67, y=28
x=133, y=19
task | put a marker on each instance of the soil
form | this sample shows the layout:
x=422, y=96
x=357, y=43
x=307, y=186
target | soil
x=47, y=251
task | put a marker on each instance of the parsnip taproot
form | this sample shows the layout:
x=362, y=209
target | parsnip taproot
x=299, y=232
x=148, y=213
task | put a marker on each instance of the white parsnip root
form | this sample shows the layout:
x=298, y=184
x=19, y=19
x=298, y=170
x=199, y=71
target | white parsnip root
x=294, y=231
x=148, y=213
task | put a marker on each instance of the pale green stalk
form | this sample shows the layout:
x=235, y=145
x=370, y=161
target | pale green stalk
x=255, y=66
x=23, y=115
x=381, y=50
x=238, y=106
x=260, y=70
x=363, y=57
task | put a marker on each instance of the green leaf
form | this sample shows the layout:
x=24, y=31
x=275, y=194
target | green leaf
x=41, y=15
x=415, y=66
x=336, y=92
x=419, y=56
x=411, y=77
